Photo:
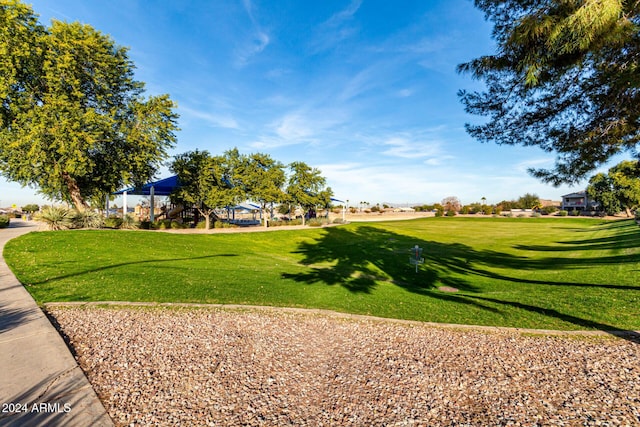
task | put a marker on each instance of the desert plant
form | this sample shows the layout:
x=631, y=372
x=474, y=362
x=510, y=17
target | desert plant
x=88, y=219
x=4, y=221
x=175, y=225
x=130, y=223
x=57, y=218
x=113, y=222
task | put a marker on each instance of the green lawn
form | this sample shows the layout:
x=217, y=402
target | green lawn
x=555, y=273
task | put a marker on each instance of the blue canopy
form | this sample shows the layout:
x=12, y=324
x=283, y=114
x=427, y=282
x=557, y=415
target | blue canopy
x=164, y=187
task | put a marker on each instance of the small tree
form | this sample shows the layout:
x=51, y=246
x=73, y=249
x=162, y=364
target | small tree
x=617, y=190
x=306, y=188
x=528, y=201
x=31, y=208
x=202, y=182
x=451, y=203
x=263, y=179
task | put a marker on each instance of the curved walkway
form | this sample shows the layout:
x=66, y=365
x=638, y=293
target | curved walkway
x=41, y=384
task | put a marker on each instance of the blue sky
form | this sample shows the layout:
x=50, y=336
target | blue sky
x=363, y=90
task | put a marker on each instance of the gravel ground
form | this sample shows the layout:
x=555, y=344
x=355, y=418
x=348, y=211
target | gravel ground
x=168, y=366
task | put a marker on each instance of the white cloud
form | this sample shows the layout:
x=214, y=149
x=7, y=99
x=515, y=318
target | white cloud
x=336, y=29
x=212, y=119
x=257, y=42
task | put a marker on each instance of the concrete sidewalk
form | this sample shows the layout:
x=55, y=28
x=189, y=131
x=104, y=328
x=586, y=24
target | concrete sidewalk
x=40, y=382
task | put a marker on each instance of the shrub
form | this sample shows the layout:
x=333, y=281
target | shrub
x=574, y=213
x=4, y=221
x=201, y=225
x=563, y=213
x=162, y=225
x=536, y=215
x=130, y=223
x=316, y=222
x=451, y=213
x=88, y=219
x=57, y=218
x=175, y=225
x=113, y=222
x=339, y=221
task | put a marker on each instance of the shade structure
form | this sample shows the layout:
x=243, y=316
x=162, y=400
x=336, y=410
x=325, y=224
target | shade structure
x=163, y=187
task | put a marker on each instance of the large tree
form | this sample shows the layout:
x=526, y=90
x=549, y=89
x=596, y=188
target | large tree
x=204, y=182
x=618, y=189
x=306, y=188
x=73, y=121
x=263, y=179
x=566, y=78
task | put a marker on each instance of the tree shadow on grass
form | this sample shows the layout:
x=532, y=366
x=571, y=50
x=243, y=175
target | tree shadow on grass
x=124, y=264
x=360, y=258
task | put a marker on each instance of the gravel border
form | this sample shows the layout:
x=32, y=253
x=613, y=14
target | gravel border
x=155, y=365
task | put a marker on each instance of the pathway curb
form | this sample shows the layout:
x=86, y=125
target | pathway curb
x=41, y=383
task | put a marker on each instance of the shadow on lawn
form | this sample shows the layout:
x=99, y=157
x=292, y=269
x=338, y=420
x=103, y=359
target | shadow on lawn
x=123, y=264
x=360, y=258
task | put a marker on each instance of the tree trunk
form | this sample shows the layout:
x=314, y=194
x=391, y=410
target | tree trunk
x=74, y=192
x=628, y=211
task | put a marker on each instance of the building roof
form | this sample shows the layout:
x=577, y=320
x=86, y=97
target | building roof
x=163, y=187
x=576, y=194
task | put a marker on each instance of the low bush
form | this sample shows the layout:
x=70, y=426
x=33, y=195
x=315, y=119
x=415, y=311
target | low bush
x=57, y=218
x=88, y=219
x=451, y=213
x=574, y=213
x=563, y=213
x=113, y=222
x=536, y=215
x=316, y=222
x=339, y=221
x=130, y=223
x=4, y=221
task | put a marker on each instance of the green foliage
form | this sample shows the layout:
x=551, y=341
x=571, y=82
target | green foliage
x=30, y=208
x=4, y=221
x=206, y=181
x=113, y=222
x=88, y=219
x=306, y=187
x=487, y=209
x=617, y=190
x=316, y=222
x=563, y=213
x=451, y=213
x=57, y=217
x=73, y=120
x=564, y=78
x=129, y=222
x=528, y=201
x=548, y=210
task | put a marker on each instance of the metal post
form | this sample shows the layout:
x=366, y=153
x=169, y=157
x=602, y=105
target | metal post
x=152, y=209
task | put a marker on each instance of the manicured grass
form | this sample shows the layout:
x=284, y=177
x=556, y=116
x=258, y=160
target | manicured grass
x=560, y=273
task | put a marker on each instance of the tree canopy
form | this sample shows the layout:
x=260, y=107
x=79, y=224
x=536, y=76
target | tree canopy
x=618, y=189
x=565, y=78
x=73, y=120
x=215, y=182
x=306, y=187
